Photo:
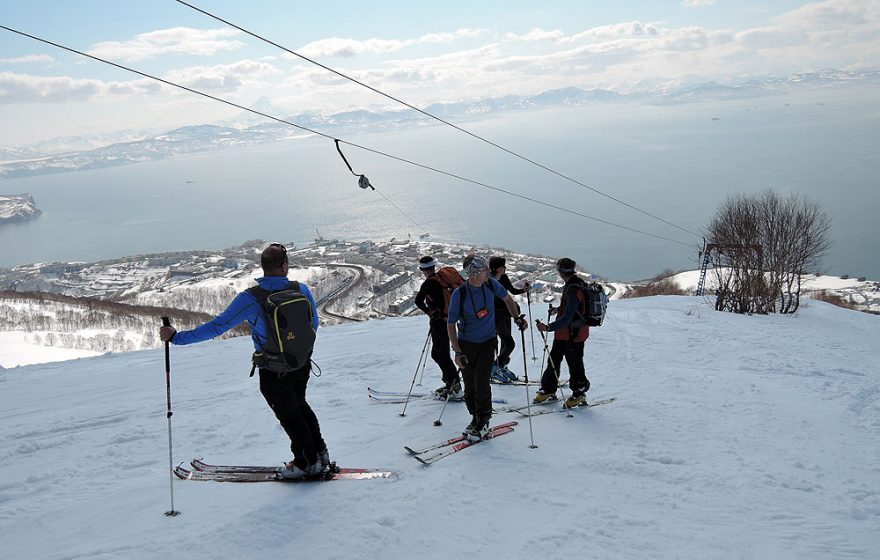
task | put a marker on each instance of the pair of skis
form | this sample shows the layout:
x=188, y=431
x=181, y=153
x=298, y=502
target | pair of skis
x=396, y=397
x=520, y=382
x=435, y=452
x=244, y=473
x=537, y=409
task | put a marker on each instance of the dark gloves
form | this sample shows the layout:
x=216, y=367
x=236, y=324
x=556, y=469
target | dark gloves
x=521, y=322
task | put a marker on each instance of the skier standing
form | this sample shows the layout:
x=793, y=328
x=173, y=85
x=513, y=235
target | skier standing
x=431, y=299
x=471, y=328
x=500, y=372
x=570, y=333
x=284, y=392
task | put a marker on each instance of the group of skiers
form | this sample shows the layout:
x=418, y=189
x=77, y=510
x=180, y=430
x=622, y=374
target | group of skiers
x=471, y=316
x=467, y=316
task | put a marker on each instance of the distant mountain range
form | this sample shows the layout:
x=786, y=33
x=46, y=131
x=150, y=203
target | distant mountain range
x=123, y=147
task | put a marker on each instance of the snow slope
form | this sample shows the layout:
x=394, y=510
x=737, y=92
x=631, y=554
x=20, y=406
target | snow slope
x=732, y=437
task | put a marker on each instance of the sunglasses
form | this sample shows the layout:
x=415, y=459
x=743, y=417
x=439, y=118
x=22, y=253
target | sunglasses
x=280, y=246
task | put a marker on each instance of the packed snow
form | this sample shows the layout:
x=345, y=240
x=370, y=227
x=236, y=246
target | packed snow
x=731, y=437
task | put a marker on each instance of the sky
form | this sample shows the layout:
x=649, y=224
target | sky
x=732, y=437
x=418, y=52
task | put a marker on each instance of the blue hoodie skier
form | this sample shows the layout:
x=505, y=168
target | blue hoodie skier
x=284, y=392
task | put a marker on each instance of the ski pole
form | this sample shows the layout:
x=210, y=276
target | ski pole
x=528, y=396
x=172, y=512
x=556, y=373
x=544, y=354
x=415, y=373
x=437, y=422
x=531, y=328
x=425, y=361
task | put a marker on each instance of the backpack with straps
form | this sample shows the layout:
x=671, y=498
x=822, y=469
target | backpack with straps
x=595, y=304
x=449, y=279
x=290, y=336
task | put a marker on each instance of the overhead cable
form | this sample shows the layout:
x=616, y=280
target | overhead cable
x=435, y=117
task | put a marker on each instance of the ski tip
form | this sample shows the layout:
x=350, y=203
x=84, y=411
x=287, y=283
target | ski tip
x=182, y=473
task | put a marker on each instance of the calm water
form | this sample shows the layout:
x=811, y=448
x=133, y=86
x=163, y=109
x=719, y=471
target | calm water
x=673, y=161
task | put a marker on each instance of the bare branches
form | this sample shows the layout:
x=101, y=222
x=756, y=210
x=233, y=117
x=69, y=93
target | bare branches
x=764, y=245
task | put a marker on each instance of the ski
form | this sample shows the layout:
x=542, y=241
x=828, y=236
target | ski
x=274, y=476
x=524, y=411
x=201, y=465
x=396, y=397
x=446, y=451
x=454, y=440
x=520, y=383
x=372, y=391
x=523, y=407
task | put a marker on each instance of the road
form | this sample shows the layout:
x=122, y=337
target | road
x=344, y=288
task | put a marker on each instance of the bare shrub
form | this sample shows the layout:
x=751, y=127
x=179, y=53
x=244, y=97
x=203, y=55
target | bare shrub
x=663, y=287
x=763, y=246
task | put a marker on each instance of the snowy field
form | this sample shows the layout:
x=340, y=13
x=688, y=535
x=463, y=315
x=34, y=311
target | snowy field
x=733, y=437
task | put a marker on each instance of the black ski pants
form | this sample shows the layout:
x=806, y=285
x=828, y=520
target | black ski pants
x=503, y=330
x=440, y=351
x=573, y=352
x=286, y=395
x=476, y=374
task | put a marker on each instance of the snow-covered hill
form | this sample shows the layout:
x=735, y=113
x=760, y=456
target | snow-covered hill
x=17, y=207
x=732, y=437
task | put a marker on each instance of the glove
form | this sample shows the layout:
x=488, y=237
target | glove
x=521, y=322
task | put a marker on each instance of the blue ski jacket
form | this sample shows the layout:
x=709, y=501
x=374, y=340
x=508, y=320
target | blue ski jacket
x=244, y=307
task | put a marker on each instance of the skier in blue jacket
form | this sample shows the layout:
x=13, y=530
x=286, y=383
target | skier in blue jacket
x=285, y=393
x=471, y=328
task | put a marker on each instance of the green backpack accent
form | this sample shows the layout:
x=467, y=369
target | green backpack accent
x=290, y=336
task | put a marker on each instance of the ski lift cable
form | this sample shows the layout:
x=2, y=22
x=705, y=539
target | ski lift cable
x=352, y=144
x=432, y=116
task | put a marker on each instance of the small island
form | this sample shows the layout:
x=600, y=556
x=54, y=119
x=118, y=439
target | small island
x=17, y=208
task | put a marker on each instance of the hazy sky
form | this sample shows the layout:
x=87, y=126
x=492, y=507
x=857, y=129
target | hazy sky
x=418, y=51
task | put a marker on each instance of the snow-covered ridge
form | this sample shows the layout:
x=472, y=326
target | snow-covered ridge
x=351, y=281
x=17, y=207
x=247, y=129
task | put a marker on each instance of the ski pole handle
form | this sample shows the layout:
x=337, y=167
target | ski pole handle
x=166, y=322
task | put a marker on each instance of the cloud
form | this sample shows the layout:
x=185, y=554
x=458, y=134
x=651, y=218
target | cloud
x=537, y=35
x=24, y=88
x=223, y=77
x=28, y=59
x=177, y=40
x=339, y=47
x=697, y=3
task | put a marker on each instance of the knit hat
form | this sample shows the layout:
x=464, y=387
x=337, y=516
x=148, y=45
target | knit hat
x=496, y=262
x=475, y=264
x=426, y=263
x=566, y=265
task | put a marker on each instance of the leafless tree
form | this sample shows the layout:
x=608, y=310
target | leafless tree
x=763, y=246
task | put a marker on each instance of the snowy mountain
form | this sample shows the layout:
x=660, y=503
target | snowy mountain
x=17, y=207
x=250, y=129
x=731, y=437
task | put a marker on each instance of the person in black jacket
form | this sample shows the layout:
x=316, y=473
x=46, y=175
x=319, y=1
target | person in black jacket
x=432, y=301
x=500, y=373
x=570, y=332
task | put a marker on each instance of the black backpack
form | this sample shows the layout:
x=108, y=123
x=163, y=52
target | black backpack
x=595, y=304
x=290, y=336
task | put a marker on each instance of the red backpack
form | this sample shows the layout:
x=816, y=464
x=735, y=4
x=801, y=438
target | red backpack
x=449, y=279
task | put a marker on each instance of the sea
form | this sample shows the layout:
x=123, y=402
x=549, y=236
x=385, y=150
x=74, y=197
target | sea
x=651, y=176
